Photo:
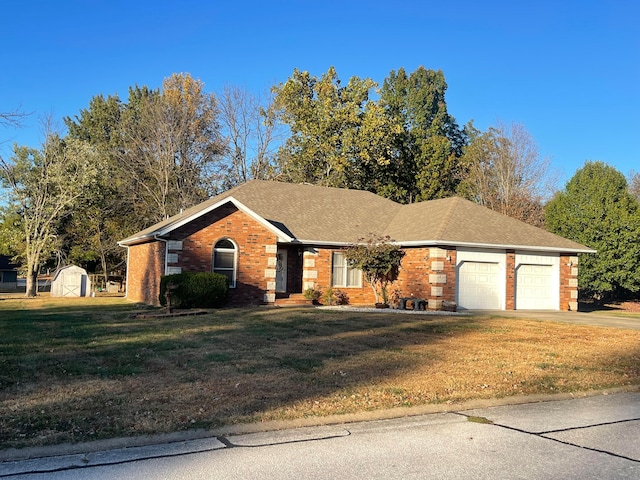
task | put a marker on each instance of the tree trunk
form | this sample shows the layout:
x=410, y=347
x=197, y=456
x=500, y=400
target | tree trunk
x=372, y=283
x=32, y=283
x=105, y=273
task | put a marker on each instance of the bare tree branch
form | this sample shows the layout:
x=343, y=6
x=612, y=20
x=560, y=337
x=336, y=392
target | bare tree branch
x=507, y=174
x=250, y=132
x=634, y=185
x=13, y=118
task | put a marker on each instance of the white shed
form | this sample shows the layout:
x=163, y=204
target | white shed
x=71, y=281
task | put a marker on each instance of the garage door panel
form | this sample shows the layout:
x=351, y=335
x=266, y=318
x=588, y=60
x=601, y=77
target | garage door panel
x=478, y=286
x=534, y=287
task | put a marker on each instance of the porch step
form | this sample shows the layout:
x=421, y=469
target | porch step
x=292, y=299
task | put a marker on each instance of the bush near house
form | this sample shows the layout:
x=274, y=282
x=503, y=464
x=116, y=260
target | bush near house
x=195, y=290
x=334, y=297
x=379, y=259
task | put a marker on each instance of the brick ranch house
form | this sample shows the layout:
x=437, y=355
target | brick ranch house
x=274, y=239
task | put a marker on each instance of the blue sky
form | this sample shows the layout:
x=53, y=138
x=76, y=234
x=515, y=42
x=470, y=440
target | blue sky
x=569, y=71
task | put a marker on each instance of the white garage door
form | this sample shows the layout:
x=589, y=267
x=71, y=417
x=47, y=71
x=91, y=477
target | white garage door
x=479, y=286
x=534, y=287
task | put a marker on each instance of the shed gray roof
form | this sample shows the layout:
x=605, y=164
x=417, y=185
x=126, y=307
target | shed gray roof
x=322, y=215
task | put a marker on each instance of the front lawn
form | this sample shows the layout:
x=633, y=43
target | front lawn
x=80, y=369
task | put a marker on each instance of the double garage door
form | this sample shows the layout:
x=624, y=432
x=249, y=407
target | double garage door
x=481, y=285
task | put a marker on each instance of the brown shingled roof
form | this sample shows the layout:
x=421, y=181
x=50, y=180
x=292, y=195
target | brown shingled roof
x=313, y=213
x=323, y=215
x=456, y=221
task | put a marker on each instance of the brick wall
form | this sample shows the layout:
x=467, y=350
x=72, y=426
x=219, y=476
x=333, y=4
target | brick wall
x=569, y=282
x=510, y=300
x=320, y=276
x=428, y=273
x=190, y=249
x=413, y=279
x=145, y=266
x=253, y=273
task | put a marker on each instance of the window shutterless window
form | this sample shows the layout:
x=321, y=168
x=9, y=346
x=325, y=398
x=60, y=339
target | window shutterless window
x=342, y=275
x=224, y=260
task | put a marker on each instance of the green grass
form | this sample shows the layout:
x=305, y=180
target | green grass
x=483, y=420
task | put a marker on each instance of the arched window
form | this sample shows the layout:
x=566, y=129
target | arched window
x=224, y=260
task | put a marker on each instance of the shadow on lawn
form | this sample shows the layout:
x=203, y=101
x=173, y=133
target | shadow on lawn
x=71, y=374
x=74, y=373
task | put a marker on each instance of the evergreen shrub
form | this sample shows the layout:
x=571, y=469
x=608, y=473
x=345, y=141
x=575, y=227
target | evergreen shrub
x=195, y=290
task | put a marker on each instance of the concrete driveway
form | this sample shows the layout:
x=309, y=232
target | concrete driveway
x=600, y=318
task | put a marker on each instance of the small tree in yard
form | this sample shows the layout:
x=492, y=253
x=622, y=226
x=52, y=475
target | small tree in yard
x=379, y=259
x=44, y=187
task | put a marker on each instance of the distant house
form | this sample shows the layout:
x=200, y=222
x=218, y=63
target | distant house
x=275, y=239
x=8, y=274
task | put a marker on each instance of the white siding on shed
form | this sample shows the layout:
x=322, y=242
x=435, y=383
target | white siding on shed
x=71, y=281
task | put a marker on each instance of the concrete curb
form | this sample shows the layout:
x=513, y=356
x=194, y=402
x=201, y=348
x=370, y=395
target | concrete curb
x=145, y=446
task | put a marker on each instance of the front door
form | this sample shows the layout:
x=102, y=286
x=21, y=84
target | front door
x=281, y=271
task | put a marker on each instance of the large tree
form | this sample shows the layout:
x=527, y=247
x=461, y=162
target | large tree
x=596, y=209
x=44, y=187
x=428, y=147
x=162, y=148
x=99, y=125
x=172, y=145
x=337, y=134
x=505, y=173
x=250, y=132
x=109, y=125
x=108, y=212
x=157, y=153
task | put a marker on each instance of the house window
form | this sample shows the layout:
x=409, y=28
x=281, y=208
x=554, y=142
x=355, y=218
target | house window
x=224, y=260
x=342, y=275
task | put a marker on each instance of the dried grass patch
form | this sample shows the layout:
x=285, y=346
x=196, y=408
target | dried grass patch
x=500, y=358
x=90, y=370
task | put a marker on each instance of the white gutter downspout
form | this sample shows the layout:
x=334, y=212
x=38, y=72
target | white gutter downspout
x=166, y=252
x=126, y=291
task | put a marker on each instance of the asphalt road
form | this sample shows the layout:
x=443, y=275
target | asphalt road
x=593, y=437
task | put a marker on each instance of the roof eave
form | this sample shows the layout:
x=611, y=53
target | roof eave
x=129, y=242
x=506, y=246
x=431, y=243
